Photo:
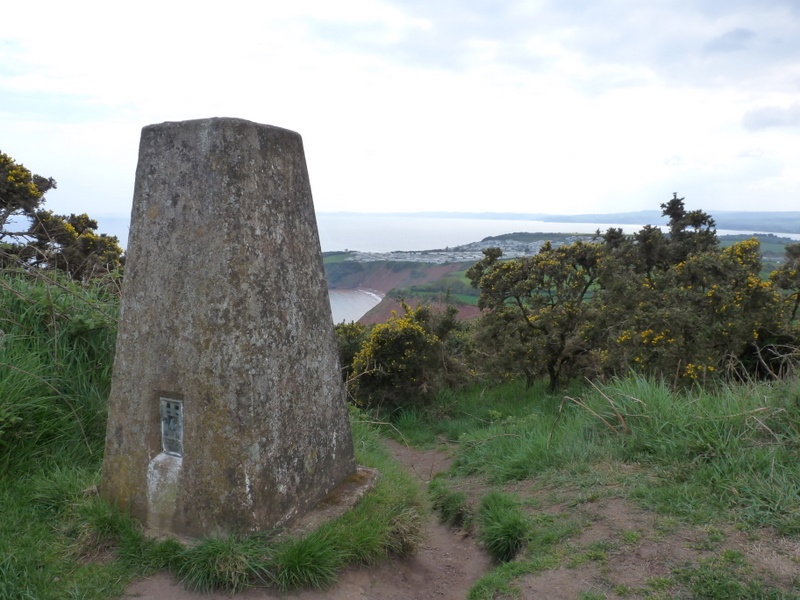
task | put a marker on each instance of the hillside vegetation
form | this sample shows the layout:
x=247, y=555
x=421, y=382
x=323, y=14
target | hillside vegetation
x=59, y=539
x=428, y=280
x=678, y=305
x=626, y=403
x=628, y=489
x=617, y=397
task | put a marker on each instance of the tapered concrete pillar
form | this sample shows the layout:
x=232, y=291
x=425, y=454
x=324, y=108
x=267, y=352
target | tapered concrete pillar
x=227, y=409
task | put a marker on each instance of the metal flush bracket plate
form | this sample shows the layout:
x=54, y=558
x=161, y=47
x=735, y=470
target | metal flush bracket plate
x=172, y=426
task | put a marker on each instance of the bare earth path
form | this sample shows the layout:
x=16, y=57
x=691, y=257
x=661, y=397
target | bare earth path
x=444, y=568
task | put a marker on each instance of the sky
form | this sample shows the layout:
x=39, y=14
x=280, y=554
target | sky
x=540, y=106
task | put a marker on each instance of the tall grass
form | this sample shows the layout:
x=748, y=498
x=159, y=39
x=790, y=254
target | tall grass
x=738, y=447
x=56, y=354
x=58, y=539
x=733, y=448
x=503, y=527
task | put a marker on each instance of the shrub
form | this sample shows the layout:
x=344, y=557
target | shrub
x=399, y=361
x=349, y=338
x=504, y=529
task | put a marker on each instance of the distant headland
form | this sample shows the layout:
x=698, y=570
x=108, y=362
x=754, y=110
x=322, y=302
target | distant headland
x=755, y=221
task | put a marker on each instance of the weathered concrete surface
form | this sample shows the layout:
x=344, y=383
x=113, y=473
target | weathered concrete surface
x=225, y=308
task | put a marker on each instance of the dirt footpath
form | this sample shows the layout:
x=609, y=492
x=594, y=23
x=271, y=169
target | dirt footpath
x=445, y=567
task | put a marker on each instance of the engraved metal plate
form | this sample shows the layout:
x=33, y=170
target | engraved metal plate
x=172, y=426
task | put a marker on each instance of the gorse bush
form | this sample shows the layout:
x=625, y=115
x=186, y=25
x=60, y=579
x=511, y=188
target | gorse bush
x=670, y=305
x=546, y=301
x=68, y=244
x=349, y=338
x=395, y=361
x=406, y=360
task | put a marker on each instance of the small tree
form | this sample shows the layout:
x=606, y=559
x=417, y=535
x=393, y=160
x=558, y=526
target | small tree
x=690, y=232
x=787, y=279
x=550, y=294
x=42, y=239
x=21, y=192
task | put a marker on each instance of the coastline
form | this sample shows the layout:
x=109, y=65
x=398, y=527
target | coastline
x=374, y=293
x=352, y=304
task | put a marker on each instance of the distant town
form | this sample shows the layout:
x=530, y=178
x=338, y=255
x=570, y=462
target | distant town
x=512, y=245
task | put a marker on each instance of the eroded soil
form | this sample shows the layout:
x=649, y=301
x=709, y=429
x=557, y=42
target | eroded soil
x=444, y=568
x=614, y=550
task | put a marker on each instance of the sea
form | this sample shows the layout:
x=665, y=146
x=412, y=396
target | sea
x=351, y=305
x=389, y=233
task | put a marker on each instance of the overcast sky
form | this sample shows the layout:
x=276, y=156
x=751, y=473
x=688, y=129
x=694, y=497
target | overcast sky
x=554, y=106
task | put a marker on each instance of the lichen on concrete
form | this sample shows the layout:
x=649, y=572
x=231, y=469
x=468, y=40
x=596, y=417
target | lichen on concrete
x=225, y=307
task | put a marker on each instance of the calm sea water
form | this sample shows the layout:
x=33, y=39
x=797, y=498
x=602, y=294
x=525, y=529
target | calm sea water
x=351, y=305
x=377, y=233
x=387, y=233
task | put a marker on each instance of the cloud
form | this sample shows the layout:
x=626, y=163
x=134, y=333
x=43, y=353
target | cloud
x=456, y=36
x=772, y=116
x=422, y=104
x=702, y=43
x=731, y=41
x=53, y=108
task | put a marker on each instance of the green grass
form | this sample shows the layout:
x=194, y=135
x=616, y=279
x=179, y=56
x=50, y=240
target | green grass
x=711, y=457
x=451, y=506
x=56, y=354
x=730, y=451
x=726, y=576
x=723, y=455
x=231, y=563
x=503, y=527
x=415, y=296
x=336, y=257
x=454, y=287
x=57, y=534
x=313, y=561
x=58, y=539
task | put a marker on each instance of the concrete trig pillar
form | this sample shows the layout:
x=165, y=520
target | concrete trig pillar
x=227, y=410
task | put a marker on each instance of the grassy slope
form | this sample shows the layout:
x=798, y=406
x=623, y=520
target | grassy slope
x=58, y=539
x=720, y=470
x=723, y=460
